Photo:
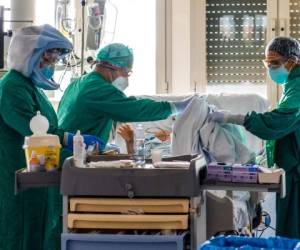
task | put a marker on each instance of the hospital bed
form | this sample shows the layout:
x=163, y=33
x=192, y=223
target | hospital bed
x=237, y=211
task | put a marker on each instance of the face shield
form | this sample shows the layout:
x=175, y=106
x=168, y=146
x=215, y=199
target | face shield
x=43, y=74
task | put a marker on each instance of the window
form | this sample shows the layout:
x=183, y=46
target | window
x=135, y=26
x=295, y=19
x=136, y=22
x=235, y=40
x=42, y=16
x=6, y=4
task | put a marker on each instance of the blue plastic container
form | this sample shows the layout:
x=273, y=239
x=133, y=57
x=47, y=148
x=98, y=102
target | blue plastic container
x=247, y=243
x=121, y=242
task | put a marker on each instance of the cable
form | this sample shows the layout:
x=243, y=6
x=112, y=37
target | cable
x=82, y=34
x=266, y=221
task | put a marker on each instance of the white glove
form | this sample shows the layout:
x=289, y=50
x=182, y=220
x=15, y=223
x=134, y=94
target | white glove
x=217, y=116
x=225, y=117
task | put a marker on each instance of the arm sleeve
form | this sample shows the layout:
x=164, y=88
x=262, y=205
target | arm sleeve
x=273, y=125
x=114, y=104
x=17, y=107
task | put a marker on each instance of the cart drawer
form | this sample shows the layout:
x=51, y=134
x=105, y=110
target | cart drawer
x=139, y=206
x=121, y=242
x=116, y=221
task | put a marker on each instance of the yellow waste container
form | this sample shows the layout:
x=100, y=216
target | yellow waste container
x=42, y=150
x=47, y=150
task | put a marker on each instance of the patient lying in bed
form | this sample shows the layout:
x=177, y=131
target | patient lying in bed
x=153, y=136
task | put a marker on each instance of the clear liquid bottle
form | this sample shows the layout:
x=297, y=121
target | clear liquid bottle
x=139, y=146
x=78, y=150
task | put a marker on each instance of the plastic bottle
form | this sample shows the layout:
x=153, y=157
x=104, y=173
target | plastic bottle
x=139, y=146
x=78, y=150
x=34, y=163
x=42, y=162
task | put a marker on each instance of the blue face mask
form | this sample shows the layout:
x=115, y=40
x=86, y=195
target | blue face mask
x=279, y=75
x=48, y=72
x=42, y=78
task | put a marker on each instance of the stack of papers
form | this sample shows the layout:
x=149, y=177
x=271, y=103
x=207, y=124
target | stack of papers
x=111, y=164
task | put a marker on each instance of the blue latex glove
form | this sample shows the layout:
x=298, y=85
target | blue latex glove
x=112, y=147
x=89, y=140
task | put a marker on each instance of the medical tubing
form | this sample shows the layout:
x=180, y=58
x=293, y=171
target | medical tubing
x=82, y=34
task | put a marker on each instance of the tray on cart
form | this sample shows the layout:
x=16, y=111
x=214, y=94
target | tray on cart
x=25, y=179
x=133, y=182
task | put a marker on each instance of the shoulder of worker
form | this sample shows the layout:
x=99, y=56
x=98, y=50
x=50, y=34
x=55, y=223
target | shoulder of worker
x=16, y=81
x=94, y=83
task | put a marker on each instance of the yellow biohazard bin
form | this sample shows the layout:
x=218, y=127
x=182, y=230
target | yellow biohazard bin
x=42, y=150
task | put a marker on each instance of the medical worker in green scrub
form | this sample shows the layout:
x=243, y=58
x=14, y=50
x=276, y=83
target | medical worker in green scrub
x=29, y=220
x=92, y=102
x=281, y=128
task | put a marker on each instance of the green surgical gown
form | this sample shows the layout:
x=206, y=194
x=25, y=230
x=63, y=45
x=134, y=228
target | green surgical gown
x=91, y=104
x=28, y=220
x=283, y=125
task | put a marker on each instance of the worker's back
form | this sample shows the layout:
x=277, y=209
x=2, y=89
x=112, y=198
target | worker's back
x=76, y=111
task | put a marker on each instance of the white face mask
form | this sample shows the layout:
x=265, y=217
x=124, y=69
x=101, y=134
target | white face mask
x=121, y=83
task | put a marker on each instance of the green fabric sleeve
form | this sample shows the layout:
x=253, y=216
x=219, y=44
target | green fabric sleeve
x=273, y=125
x=17, y=107
x=115, y=105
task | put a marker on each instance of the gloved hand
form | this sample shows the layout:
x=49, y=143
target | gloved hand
x=180, y=106
x=111, y=147
x=217, y=116
x=224, y=116
x=89, y=140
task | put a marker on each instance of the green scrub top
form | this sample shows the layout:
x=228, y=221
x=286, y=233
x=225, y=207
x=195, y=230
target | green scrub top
x=283, y=125
x=27, y=220
x=91, y=104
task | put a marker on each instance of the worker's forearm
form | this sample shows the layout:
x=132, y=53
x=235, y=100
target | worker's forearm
x=235, y=119
x=129, y=146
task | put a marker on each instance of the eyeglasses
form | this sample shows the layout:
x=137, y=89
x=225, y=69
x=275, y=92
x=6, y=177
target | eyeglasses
x=273, y=63
x=127, y=72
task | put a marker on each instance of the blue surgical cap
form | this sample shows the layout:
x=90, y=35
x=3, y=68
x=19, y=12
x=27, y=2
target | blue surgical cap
x=116, y=54
x=286, y=46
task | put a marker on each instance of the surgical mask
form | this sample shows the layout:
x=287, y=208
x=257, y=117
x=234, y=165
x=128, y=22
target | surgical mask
x=121, y=83
x=48, y=71
x=39, y=78
x=279, y=75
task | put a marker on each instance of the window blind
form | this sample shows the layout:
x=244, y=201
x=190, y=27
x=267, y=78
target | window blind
x=295, y=19
x=235, y=38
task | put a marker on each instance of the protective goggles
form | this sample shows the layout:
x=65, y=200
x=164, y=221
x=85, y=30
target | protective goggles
x=127, y=72
x=52, y=56
x=274, y=63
